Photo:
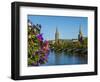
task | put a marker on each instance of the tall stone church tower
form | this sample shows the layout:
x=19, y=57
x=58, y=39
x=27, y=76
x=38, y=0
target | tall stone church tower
x=56, y=35
x=80, y=35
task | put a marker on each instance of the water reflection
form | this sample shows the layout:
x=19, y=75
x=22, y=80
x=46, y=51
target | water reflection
x=61, y=58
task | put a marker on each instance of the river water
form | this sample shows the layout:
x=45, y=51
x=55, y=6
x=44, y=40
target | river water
x=65, y=59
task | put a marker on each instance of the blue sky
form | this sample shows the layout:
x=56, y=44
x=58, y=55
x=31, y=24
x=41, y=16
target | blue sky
x=68, y=27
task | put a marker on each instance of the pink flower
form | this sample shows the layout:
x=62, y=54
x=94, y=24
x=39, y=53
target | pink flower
x=46, y=46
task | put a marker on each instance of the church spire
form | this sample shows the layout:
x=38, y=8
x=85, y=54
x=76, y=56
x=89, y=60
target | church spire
x=80, y=29
x=56, y=29
x=80, y=35
x=56, y=34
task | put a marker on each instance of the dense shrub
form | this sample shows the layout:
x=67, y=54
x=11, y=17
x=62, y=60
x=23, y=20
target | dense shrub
x=38, y=48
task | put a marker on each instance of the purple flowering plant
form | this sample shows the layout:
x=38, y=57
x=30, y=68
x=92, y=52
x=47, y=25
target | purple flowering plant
x=38, y=49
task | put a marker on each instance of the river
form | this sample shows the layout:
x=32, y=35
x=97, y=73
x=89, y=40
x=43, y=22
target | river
x=65, y=59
